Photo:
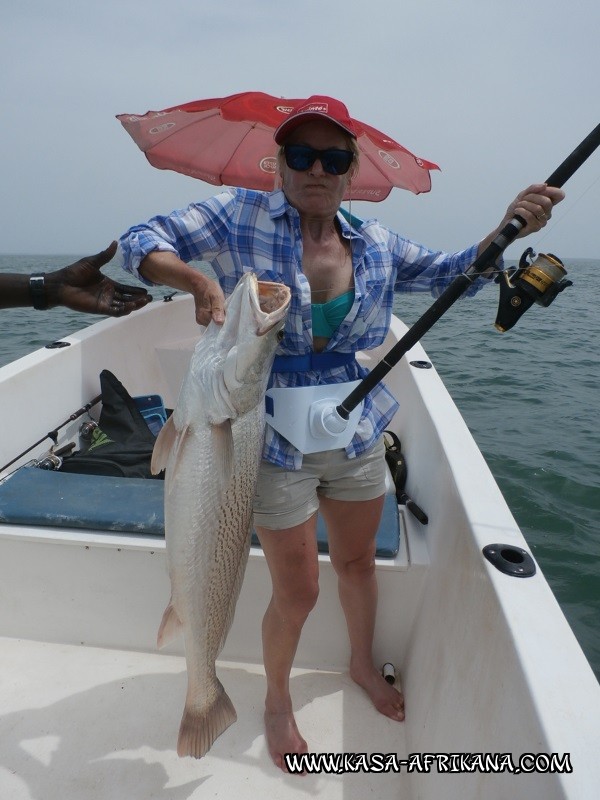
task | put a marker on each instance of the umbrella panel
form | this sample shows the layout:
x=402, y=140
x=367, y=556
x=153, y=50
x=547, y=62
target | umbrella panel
x=229, y=141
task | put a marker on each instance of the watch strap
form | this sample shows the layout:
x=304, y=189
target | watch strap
x=37, y=291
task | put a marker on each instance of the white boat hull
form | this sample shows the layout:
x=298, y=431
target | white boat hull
x=488, y=661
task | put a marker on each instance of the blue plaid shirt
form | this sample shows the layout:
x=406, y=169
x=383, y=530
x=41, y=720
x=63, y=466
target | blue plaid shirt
x=240, y=230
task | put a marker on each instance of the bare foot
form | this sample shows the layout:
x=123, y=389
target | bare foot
x=283, y=736
x=386, y=699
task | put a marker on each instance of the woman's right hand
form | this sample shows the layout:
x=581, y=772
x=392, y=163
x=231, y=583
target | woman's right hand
x=209, y=300
x=166, y=268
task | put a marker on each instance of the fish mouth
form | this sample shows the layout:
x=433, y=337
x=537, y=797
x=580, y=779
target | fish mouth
x=270, y=301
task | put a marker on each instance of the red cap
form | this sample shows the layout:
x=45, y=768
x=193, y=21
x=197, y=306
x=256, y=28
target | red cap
x=316, y=107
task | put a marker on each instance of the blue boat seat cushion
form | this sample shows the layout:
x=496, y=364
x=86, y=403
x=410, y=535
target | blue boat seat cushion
x=33, y=496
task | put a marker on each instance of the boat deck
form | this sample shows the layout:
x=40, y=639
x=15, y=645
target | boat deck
x=489, y=662
x=102, y=724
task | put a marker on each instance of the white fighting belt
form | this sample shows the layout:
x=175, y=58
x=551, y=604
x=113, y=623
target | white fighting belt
x=306, y=416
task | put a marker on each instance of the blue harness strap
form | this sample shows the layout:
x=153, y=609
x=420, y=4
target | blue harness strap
x=312, y=361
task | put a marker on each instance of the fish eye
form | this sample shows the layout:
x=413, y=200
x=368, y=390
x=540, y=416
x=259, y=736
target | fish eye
x=280, y=335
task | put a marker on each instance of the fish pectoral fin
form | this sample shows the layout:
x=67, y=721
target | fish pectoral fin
x=165, y=442
x=170, y=626
x=168, y=449
x=222, y=447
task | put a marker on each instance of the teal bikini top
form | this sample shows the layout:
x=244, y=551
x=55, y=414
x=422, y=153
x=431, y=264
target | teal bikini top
x=327, y=317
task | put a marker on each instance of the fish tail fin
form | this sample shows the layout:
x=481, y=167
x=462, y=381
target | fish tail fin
x=199, y=729
x=169, y=627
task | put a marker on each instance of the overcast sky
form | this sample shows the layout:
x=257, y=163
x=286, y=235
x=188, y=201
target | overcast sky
x=497, y=92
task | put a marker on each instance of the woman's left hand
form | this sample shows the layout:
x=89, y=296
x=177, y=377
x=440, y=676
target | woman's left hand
x=534, y=205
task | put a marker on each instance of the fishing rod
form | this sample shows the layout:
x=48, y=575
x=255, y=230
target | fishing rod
x=540, y=282
x=53, y=434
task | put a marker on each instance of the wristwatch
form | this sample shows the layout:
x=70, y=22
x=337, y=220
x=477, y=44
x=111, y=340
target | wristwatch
x=37, y=291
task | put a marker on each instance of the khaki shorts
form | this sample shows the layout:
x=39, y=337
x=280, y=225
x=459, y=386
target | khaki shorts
x=285, y=498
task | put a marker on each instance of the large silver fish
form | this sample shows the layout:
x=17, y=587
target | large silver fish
x=211, y=448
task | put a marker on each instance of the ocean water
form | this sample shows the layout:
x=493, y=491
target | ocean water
x=530, y=398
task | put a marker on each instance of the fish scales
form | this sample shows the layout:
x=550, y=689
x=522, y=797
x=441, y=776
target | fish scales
x=233, y=538
x=211, y=447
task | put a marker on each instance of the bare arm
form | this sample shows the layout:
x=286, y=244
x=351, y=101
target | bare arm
x=166, y=268
x=80, y=286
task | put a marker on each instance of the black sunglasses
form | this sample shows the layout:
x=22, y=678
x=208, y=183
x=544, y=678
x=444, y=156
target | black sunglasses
x=300, y=157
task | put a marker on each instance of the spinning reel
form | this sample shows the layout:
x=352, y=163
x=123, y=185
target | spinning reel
x=539, y=281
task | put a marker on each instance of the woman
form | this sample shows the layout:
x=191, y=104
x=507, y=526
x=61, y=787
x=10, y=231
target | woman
x=342, y=280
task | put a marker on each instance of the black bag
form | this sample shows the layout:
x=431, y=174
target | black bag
x=122, y=443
